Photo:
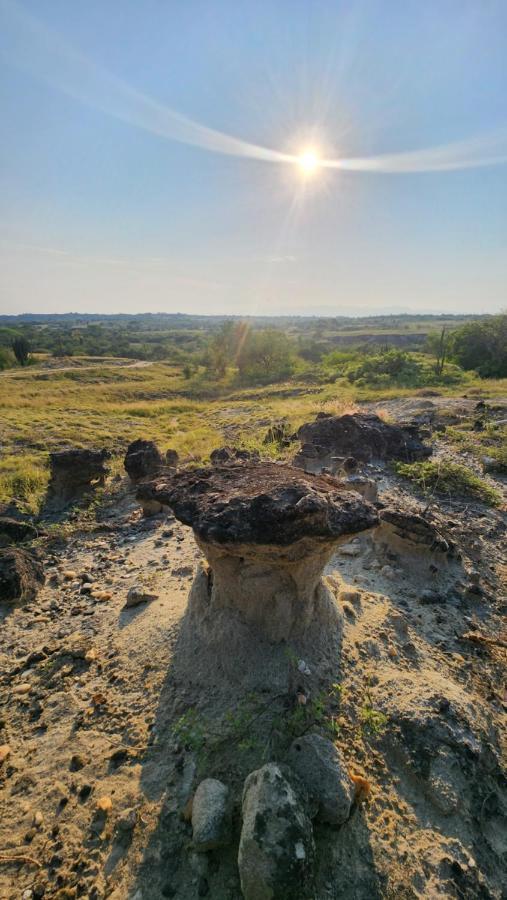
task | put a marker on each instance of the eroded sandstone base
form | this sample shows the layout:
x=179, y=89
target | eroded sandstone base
x=276, y=590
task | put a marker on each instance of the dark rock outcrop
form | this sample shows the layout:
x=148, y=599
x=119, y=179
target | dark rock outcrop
x=75, y=473
x=364, y=436
x=142, y=459
x=231, y=454
x=15, y=531
x=21, y=575
x=414, y=529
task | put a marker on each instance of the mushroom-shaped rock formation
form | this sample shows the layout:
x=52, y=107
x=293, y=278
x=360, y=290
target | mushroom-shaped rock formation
x=74, y=473
x=364, y=436
x=267, y=531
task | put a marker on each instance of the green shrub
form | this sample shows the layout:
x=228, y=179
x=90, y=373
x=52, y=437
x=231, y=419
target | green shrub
x=445, y=477
x=483, y=346
x=392, y=364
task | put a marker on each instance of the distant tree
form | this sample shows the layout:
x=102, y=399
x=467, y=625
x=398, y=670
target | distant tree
x=438, y=345
x=223, y=347
x=6, y=358
x=21, y=350
x=265, y=356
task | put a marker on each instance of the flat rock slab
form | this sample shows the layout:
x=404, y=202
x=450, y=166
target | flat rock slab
x=262, y=503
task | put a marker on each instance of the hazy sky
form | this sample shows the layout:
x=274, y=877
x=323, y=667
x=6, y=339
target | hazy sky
x=146, y=156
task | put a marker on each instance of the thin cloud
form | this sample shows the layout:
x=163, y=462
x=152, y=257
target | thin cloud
x=28, y=44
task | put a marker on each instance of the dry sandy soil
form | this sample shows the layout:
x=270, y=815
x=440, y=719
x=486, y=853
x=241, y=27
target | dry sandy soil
x=104, y=753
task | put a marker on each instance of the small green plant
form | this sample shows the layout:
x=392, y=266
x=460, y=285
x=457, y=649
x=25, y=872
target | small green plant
x=191, y=731
x=372, y=720
x=446, y=477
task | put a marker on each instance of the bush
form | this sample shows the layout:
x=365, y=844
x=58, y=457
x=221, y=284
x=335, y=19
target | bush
x=445, y=477
x=382, y=369
x=483, y=346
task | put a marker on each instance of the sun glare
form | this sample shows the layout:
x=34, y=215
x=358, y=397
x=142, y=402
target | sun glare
x=308, y=162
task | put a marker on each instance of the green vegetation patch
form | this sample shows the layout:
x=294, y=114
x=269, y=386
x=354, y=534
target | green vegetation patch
x=445, y=477
x=23, y=477
x=492, y=442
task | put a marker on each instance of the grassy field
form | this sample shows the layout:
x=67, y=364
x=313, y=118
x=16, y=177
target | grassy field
x=106, y=405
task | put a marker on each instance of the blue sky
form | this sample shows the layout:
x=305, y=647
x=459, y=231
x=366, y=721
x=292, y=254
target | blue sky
x=101, y=210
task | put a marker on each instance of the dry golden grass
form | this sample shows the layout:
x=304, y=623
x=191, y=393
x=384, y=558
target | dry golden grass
x=110, y=406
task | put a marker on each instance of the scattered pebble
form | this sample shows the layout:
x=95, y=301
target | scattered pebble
x=138, y=594
x=5, y=752
x=105, y=805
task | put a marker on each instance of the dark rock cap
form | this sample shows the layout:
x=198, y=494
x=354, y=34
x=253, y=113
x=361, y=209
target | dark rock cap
x=76, y=457
x=364, y=436
x=262, y=503
x=143, y=458
x=413, y=527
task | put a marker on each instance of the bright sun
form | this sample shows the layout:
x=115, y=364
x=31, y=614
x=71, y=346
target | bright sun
x=308, y=162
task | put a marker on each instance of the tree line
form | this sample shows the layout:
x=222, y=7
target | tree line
x=266, y=354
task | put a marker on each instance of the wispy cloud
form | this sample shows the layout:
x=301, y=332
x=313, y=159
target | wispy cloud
x=150, y=264
x=27, y=43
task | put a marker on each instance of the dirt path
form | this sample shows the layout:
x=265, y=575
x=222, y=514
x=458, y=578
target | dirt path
x=137, y=364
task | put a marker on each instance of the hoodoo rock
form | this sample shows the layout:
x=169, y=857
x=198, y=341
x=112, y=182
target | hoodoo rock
x=142, y=459
x=267, y=531
x=75, y=473
x=364, y=436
